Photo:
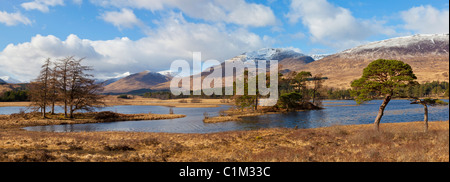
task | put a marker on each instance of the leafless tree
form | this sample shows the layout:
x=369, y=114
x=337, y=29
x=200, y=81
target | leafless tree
x=40, y=88
x=68, y=83
x=83, y=93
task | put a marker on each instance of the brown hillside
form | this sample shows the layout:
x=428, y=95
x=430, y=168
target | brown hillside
x=143, y=80
x=428, y=55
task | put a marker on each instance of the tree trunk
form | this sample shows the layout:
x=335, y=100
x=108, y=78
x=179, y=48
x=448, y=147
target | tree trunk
x=71, y=112
x=381, y=111
x=53, y=106
x=314, y=96
x=256, y=102
x=425, y=117
x=43, y=112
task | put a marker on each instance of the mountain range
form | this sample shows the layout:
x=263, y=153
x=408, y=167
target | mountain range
x=8, y=79
x=428, y=55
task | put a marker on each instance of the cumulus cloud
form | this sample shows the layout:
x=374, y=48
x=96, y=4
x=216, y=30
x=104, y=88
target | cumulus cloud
x=229, y=11
x=333, y=25
x=426, y=19
x=123, y=19
x=23, y=61
x=175, y=38
x=11, y=19
x=42, y=5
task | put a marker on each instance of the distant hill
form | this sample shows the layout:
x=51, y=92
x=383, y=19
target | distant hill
x=428, y=55
x=4, y=87
x=2, y=82
x=138, y=81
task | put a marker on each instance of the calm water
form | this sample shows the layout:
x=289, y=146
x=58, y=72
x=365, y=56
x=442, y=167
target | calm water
x=335, y=113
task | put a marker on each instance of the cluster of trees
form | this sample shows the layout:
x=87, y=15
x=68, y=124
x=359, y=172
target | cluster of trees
x=15, y=96
x=65, y=82
x=297, y=90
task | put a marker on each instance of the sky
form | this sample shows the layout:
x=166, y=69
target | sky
x=118, y=37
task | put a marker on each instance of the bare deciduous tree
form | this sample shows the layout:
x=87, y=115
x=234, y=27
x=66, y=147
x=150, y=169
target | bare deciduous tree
x=40, y=88
x=68, y=83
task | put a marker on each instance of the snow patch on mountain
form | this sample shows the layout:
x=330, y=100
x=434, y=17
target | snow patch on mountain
x=272, y=54
x=318, y=56
x=401, y=42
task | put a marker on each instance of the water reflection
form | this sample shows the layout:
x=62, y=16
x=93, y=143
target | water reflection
x=335, y=113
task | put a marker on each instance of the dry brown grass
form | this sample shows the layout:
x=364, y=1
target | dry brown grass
x=397, y=142
x=190, y=102
x=112, y=100
x=35, y=119
x=15, y=104
x=233, y=114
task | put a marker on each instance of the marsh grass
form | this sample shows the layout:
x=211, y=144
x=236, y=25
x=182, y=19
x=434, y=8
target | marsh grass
x=396, y=142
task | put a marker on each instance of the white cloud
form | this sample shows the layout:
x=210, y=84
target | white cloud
x=229, y=11
x=123, y=19
x=42, y=5
x=23, y=61
x=332, y=25
x=426, y=19
x=11, y=19
x=175, y=38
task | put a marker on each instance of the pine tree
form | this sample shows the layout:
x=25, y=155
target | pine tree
x=382, y=78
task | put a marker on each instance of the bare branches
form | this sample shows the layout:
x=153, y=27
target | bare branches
x=67, y=83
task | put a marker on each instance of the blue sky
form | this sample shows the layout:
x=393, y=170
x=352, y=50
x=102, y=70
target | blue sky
x=118, y=36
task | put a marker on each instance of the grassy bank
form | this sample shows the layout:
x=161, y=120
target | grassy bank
x=396, y=142
x=139, y=100
x=35, y=119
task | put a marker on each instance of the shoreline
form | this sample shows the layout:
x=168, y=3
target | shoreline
x=11, y=122
x=140, y=101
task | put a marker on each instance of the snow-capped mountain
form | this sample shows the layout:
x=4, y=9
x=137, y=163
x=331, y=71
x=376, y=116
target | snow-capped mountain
x=415, y=43
x=272, y=54
x=167, y=73
x=9, y=79
x=109, y=80
x=288, y=58
x=428, y=55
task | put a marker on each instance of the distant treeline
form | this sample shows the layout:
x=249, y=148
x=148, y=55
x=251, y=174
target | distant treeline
x=166, y=94
x=15, y=96
x=429, y=89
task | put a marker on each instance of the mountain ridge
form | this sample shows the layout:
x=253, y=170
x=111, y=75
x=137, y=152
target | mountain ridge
x=137, y=81
x=427, y=54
